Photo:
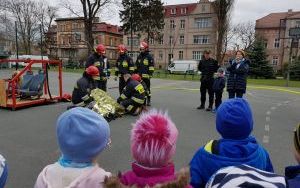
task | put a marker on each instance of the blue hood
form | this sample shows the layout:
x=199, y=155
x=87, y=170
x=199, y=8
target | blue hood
x=231, y=153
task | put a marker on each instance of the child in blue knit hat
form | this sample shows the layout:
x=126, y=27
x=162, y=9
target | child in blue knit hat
x=3, y=171
x=234, y=123
x=82, y=134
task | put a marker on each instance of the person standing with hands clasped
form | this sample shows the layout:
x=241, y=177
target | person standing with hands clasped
x=238, y=71
x=207, y=66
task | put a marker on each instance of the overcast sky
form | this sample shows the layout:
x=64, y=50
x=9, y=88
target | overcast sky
x=244, y=10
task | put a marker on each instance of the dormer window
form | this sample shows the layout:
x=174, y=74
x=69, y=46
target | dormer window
x=173, y=11
x=183, y=10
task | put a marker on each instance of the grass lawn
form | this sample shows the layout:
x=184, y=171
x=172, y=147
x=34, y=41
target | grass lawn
x=162, y=75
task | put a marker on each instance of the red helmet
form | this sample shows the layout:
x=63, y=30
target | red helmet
x=92, y=71
x=122, y=48
x=101, y=49
x=144, y=45
x=136, y=77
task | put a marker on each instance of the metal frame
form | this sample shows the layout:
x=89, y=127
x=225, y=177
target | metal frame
x=42, y=100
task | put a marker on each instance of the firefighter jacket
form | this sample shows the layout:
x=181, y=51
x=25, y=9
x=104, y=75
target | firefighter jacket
x=124, y=65
x=133, y=91
x=208, y=68
x=145, y=65
x=101, y=63
x=82, y=91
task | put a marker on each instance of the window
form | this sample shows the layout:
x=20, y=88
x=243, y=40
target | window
x=203, y=23
x=181, y=39
x=173, y=11
x=197, y=55
x=111, y=41
x=266, y=43
x=203, y=8
x=171, y=40
x=277, y=43
x=172, y=24
x=160, y=55
x=182, y=24
x=135, y=41
x=161, y=40
x=201, y=39
x=183, y=10
x=180, y=55
x=275, y=60
x=297, y=23
x=151, y=40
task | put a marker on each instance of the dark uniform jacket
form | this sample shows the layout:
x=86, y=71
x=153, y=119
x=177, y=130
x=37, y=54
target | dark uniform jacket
x=237, y=79
x=82, y=90
x=207, y=68
x=219, y=84
x=124, y=65
x=101, y=63
x=145, y=65
x=133, y=91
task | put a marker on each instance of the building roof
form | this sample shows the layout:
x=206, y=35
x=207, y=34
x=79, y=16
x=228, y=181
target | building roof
x=189, y=9
x=69, y=18
x=107, y=28
x=273, y=20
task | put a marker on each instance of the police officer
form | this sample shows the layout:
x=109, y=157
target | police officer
x=124, y=65
x=145, y=67
x=84, y=86
x=133, y=96
x=99, y=60
x=207, y=66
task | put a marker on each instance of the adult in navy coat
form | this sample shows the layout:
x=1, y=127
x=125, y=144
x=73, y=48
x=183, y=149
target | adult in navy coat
x=238, y=72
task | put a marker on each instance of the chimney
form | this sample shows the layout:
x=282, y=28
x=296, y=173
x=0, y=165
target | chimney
x=290, y=11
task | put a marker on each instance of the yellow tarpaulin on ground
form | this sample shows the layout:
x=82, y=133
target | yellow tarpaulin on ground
x=106, y=105
x=2, y=93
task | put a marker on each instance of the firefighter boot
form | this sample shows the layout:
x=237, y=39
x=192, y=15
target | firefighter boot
x=148, y=101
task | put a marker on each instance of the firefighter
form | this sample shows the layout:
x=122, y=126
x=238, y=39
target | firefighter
x=124, y=65
x=133, y=96
x=207, y=66
x=139, y=79
x=99, y=60
x=84, y=86
x=145, y=67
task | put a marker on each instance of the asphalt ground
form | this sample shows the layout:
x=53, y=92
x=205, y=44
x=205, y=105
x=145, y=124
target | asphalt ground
x=28, y=140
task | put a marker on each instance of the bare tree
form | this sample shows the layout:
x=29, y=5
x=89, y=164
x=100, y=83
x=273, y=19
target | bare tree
x=244, y=35
x=223, y=9
x=89, y=9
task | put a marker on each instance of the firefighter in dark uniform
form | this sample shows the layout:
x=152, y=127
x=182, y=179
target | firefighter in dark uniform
x=99, y=60
x=207, y=66
x=84, y=86
x=124, y=65
x=133, y=96
x=145, y=67
x=138, y=78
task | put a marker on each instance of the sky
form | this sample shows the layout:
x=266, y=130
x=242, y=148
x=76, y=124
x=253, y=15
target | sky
x=244, y=10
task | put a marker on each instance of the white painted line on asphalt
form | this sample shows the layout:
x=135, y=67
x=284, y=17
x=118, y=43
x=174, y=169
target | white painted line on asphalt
x=286, y=102
x=267, y=127
x=273, y=108
x=266, y=139
x=268, y=113
x=268, y=119
x=279, y=104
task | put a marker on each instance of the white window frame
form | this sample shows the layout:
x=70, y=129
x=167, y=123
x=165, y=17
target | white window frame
x=172, y=24
x=276, y=43
x=183, y=10
x=173, y=11
x=161, y=40
x=151, y=41
x=201, y=39
x=160, y=55
x=205, y=22
x=297, y=23
x=181, y=39
x=275, y=61
x=171, y=40
x=180, y=55
x=197, y=55
x=182, y=24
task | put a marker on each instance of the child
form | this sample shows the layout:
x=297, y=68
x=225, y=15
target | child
x=234, y=123
x=292, y=173
x=153, y=144
x=82, y=135
x=218, y=87
x=3, y=171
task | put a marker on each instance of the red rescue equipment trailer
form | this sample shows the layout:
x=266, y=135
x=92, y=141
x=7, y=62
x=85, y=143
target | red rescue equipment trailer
x=12, y=101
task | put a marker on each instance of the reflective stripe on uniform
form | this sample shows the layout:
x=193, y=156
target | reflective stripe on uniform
x=81, y=104
x=85, y=98
x=97, y=63
x=151, y=68
x=137, y=100
x=145, y=76
x=129, y=108
x=123, y=96
x=116, y=69
x=131, y=68
x=140, y=88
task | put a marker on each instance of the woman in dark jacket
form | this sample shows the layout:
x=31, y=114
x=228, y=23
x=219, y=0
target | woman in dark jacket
x=238, y=71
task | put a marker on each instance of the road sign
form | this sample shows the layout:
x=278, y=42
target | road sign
x=294, y=32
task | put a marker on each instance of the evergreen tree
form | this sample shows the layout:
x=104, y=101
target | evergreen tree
x=259, y=66
x=295, y=70
x=131, y=15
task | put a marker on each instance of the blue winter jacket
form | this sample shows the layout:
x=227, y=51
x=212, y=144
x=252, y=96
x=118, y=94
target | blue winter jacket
x=292, y=174
x=229, y=153
x=237, y=79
